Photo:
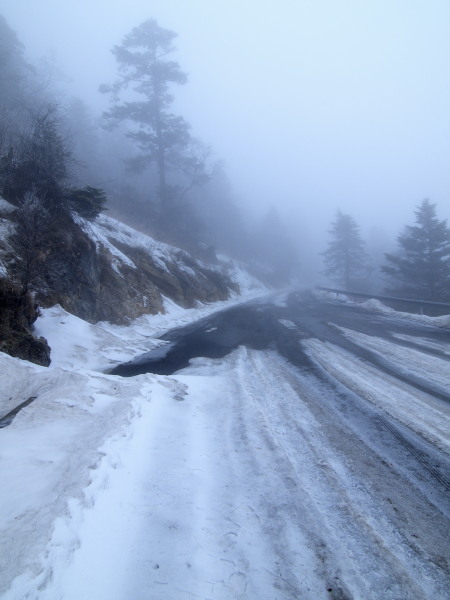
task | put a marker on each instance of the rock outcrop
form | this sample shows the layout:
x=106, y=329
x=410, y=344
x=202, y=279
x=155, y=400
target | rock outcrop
x=99, y=270
x=18, y=312
x=105, y=270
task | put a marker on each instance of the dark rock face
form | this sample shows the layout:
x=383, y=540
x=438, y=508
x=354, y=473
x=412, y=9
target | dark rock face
x=17, y=314
x=100, y=279
x=88, y=281
x=70, y=273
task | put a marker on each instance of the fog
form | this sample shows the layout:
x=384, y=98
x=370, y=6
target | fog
x=313, y=105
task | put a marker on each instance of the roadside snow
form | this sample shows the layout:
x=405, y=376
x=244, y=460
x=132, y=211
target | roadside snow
x=424, y=343
x=377, y=306
x=226, y=481
x=48, y=453
x=53, y=447
x=222, y=482
x=426, y=415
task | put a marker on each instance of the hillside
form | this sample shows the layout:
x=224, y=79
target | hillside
x=102, y=270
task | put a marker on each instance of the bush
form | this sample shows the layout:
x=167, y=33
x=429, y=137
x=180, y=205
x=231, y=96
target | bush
x=88, y=202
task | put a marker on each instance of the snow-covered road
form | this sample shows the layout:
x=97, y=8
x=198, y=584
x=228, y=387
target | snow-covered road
x=238, y=477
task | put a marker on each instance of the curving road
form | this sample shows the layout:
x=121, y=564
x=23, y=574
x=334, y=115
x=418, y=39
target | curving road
x=328, y=453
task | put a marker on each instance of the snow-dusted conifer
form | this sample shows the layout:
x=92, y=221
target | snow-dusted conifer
x=421, y=267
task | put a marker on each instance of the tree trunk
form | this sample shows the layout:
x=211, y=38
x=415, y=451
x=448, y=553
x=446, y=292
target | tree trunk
x=161, y=155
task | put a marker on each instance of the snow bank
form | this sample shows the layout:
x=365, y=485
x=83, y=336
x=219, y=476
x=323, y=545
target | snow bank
x=78, y=426
x=421, y=412
x=48, y=452
x=5, y=206
x=203, y=484
x=376, y=306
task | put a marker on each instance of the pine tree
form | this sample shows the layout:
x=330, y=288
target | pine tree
x=38, y=162
x=421, y=268
x=14, y=73
x=160, y=135
x=345, y=258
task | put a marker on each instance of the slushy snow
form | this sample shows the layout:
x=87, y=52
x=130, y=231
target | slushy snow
x=233, y=478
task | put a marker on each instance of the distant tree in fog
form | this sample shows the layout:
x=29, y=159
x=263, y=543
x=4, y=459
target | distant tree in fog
x=421, y=267
x=345, y=258
x=37, y=161
x=145, y=69
x=14, y=72
x=274, y=249
x=33, y=223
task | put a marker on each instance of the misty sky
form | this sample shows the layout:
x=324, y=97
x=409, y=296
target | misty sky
x=314, y=105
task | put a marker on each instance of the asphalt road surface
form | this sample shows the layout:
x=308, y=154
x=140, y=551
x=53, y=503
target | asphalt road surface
x=259, y=325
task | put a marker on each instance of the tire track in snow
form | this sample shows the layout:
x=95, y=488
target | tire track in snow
x=377, y=537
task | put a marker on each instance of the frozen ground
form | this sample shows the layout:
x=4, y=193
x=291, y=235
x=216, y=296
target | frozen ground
x=234, y=478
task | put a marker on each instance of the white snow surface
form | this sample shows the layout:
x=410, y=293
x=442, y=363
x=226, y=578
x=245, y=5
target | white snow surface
x=157, y=487
x=105, y=231
x=376, y=306
x=6, y=206
x=52, y=456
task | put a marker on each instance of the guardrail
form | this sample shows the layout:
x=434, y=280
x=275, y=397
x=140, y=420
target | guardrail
x=433, y=307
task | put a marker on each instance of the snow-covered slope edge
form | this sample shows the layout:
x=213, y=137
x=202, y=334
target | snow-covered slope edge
x=136, y=274
x=60, y=450
x=100, y=270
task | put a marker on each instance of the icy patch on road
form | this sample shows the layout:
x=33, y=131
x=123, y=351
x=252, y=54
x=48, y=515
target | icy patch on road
x=408, y=361
x=78, y=344
x=424, y=342
x=289, y=324
x=424, y=414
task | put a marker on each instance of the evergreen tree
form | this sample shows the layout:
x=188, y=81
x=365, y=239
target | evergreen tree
x=14, y=72
x=33, y=225
x=345, y=258
x=37, y=162
x=274, y=249
x=421, y=268
x=160, y=135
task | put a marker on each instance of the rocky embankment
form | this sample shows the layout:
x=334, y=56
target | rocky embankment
x=100, y=270
x=18, y=312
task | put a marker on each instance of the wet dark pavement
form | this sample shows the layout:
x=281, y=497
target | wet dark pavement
x=280, y=326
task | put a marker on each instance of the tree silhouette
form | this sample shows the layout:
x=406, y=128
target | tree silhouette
x=345, y=258
x=421, y=267
x=144, y=67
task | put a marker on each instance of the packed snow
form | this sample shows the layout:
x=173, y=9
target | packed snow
x=427, y=415
x=374, y=305
x=226, y=480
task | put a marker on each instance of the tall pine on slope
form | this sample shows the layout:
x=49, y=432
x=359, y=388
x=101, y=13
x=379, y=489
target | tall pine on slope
x=345, y=258
x=144, y=67
x=421, y=268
